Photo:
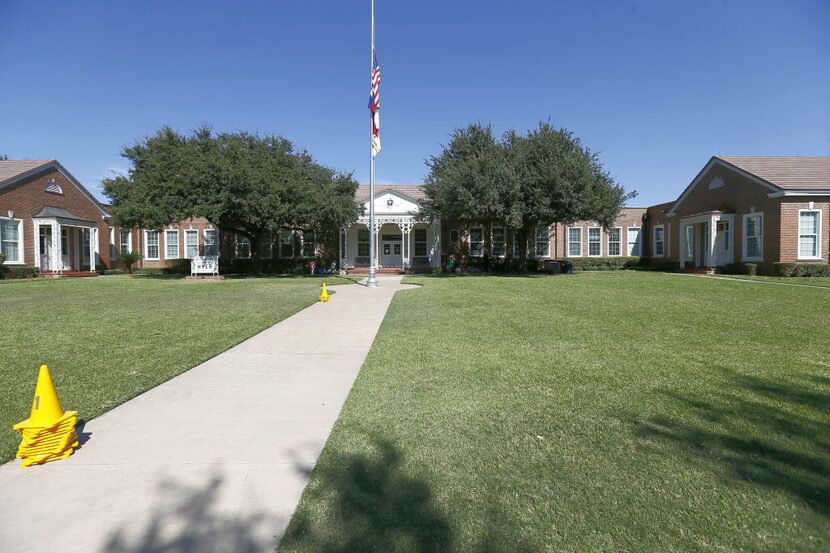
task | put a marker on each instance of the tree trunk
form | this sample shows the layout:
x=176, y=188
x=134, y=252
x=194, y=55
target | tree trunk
x=256, y=261
x=523, y=249
x=488, y=244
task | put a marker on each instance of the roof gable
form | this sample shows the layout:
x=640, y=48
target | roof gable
x=14, y=171
x=786, y=172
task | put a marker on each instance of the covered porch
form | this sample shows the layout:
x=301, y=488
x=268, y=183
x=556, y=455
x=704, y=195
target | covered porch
x=707, y=240
x=402, y=243
x=64, y=243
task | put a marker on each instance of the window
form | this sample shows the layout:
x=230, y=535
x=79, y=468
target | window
x=241, y=247
x=594, y=241
x=574, y=241
x=614, y=241
x=211, y=242
x=191, y=243
x=309, y=244
x=542, y=241
x=690, y=242
x=809, y=237
x=286, y=243
x=125, y=242
x=171, y=244
x=634, y=241
x=362, y=242
x=753, y=237
x=266, y=245
x=659, y=243
x=151, y=244
x=85, y=244
x=454, y=236
x=11, y=240
x=420, y=237
x=112, y=242
x=499, y=245
x=476, y=242
x=53, y=188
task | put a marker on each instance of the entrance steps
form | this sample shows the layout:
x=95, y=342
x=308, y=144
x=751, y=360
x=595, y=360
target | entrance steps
x=68, y=274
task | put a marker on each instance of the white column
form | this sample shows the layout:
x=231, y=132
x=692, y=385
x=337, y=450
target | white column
x=57, y=264
x=36, y=236
x=93, y=248
x=713, y=236
x=683, y=248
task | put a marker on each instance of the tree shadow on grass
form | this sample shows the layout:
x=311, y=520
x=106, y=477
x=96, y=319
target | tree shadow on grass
x=375, y=506
x=187, y=519
x=768, y=433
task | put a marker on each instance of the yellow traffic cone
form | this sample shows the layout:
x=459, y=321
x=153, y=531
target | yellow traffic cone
x=324, y=295
x=46, y=407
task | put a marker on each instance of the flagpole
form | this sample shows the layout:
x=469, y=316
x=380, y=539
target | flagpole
x=372, y=282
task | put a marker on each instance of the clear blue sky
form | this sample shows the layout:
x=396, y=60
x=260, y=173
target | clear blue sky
x=655, y=87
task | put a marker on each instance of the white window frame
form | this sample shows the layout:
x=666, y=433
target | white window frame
x=618, y=241
x=191, y=232
x=569, y=241
x=167, y=255
x=416, y=242
x=689, y=254
x=303, y=244
x=503, y=241
x=20, y=242
x=536, y=242
x=286, y=239
x=121, y=240
x=215, y=233
x=599, y=241
x=481, y=252
x=818, y=255
x=744, y=240
x=147, y=245
x=662, y=241
x=638, y=244
x=270, y=245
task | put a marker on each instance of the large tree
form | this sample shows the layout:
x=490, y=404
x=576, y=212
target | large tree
x=522, y=181
x=242, y=183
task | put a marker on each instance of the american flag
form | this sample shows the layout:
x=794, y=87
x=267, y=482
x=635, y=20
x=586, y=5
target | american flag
x=374, y=104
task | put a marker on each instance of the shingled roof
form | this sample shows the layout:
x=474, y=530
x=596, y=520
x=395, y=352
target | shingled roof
x=413, y=191
x=10, y=169
x=786, y=172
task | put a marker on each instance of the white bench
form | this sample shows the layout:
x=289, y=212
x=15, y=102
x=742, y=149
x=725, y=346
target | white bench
x=204, y=265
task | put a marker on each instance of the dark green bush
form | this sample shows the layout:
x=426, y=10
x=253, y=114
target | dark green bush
x=750, y=269
x=659, y=264
x=23, y=271
x=113, y=272
x=607, y=263
x=731, y=269
x=792, y=269
x=129, y=259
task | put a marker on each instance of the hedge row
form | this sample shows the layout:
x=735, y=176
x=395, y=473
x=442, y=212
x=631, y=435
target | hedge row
x=740, y=269
x=616, y=263
x=789, y=269
x=19, y=271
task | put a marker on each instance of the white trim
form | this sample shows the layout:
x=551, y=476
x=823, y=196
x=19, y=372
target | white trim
x=493, y=242
x=270, y=245
x=166, y=244
x=654, y=241
x=536, y=242
x=744, y=257
x=598, y=242
x=638, y=243
x=21, y=248
x=799, y=193
x=215, y=243
x=236, y=241
x=191, y=231
x=147, y=246
x=619, y=243
x=470, y=241
x=818, y=255
x=568, y=241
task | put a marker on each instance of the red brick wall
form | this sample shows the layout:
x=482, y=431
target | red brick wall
x=788, y=240
x=628, y=217
x=28, y=197
x=198, y=224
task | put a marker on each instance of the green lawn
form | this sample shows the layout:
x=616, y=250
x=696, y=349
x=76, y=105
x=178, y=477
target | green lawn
x=108, y=339
x=609, y=412
x=823, y=282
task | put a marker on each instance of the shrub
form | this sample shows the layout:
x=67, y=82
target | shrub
x=148, y=271
x=660, y=264
x=731, y=269
x=608, y=263
x=750, y=269
x=792, y=269
x=113, y=272
x=129, y=259
x=25, y=271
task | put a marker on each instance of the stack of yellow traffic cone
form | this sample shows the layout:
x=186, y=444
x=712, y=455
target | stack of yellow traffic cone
x=324, y=295
x=49, y=432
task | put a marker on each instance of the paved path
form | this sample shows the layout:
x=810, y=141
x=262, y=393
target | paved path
x=215, y=459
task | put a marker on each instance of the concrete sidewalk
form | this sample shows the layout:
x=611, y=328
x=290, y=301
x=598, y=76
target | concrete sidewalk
x=215, y=459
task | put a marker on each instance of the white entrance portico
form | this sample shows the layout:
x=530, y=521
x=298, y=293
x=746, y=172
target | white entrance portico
x=707, y=240
x=64, y=242
x=402, y=240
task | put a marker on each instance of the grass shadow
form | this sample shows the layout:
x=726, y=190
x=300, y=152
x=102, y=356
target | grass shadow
x=376, y=507
x=767, y=433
